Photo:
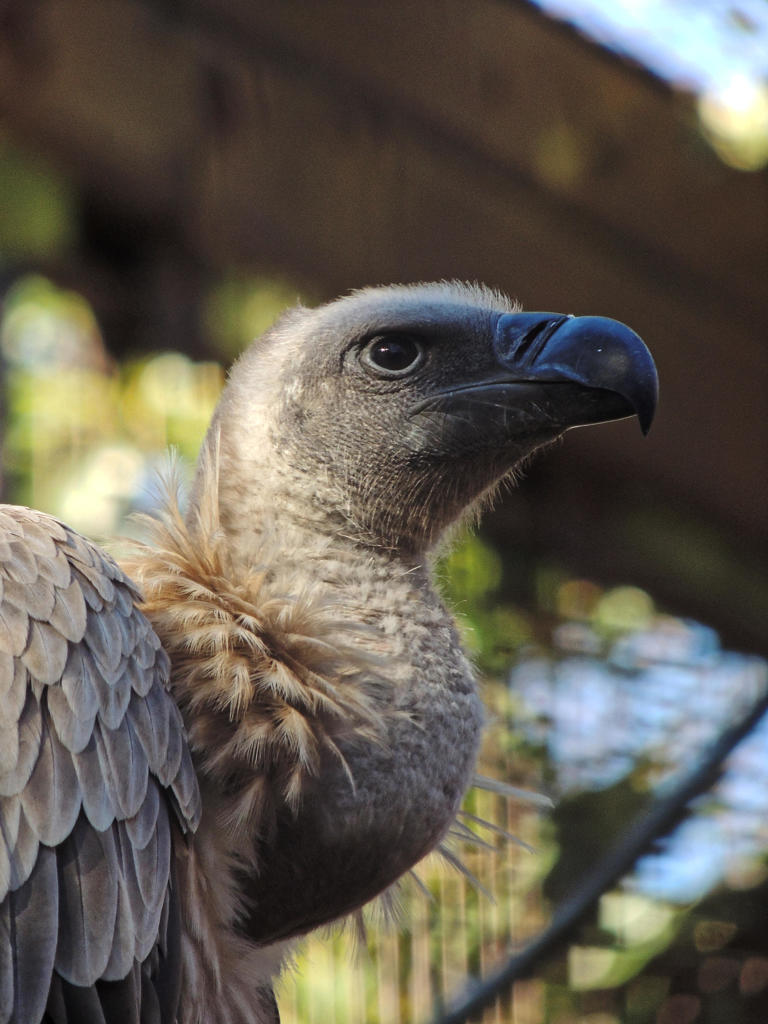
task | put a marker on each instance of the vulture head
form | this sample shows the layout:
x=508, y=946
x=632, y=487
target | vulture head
x=389, y=413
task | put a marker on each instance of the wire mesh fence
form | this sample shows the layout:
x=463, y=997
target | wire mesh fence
x=663, y=808
x=594, y=697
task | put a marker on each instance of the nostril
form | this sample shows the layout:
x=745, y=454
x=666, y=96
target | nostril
x=531, y=341
x=538, y=333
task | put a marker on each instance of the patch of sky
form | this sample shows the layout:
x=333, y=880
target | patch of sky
x=658, y=696
x=697, y=44
x=716, y=49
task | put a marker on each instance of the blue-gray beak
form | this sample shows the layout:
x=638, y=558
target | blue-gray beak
x=600, y=355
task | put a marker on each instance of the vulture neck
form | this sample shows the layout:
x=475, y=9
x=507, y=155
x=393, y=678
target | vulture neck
x=331, y=714
x=269, y=510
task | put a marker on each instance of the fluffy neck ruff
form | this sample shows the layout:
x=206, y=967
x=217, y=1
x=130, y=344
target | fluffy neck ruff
x=333, y=721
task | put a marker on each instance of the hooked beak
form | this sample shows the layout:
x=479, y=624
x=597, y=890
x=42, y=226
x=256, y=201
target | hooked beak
x=612, y=370
x=544, y=374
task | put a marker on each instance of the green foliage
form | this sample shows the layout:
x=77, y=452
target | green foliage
x=470, y=576
x=37, y=214
x=85, y=436
x=241, y=307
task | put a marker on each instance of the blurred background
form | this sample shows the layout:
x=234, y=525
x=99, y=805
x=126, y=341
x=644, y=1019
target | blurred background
x=173, y=173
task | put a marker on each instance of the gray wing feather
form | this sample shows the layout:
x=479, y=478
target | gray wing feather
x=87, y=881
x=55, y=773
x=98, y=570
x=94, y=765
x=147, y=876
x=104, y=640
x=68, y=612
x=36, y=599
x=148, y=864
x=124, y=766
x=10, y=812
x=111, y=686
x=173, y=751
x=91, y=596
x=7, y=665
x=141, y=827
x=77, y=685
x=30, y=916
x=46, y=653
x=6, y=960
x=126, y=946
x=151, y=721
x=73, y=725
x=98, y=804
x=10, y=710
x=13, y=629
x=184, y=788
x=146, y=651
x=24, y=855
x=21, y=563
x=21, y=745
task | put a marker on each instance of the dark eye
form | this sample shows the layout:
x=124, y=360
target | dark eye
x=393, y=355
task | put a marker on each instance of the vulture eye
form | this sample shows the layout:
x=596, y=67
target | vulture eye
x=393, y=355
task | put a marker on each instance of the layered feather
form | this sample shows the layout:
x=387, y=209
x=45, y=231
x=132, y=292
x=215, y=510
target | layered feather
x=86, y=727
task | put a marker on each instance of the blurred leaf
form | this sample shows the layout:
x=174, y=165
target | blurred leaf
x=471, y=571
x=37, y=215
x=240, y=308
x=585, y=826
x=45, y=327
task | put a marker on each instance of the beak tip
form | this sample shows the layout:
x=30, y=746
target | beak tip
x=645, y=408
x=593, y=351
x=613, y=356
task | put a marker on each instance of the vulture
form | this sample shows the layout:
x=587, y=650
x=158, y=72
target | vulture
x=264, y=717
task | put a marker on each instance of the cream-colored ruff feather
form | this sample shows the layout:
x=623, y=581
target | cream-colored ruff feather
x=260, y=668
x=268, y=676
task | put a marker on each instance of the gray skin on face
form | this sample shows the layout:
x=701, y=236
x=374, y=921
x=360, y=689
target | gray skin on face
x=405, y=470
x=402, y=454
